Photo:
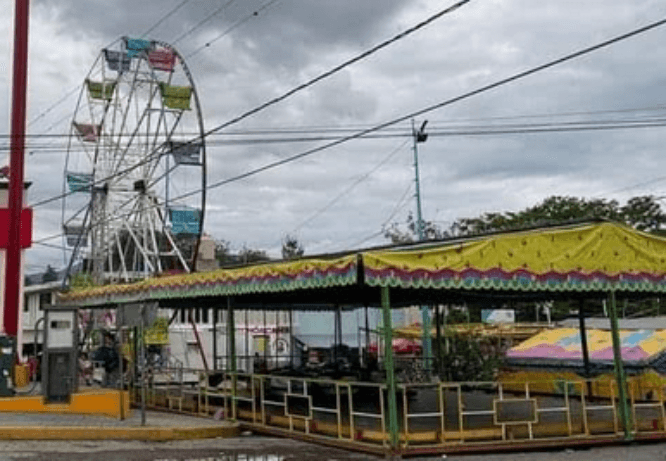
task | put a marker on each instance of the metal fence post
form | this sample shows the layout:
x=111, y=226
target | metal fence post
x=619, y=369
x=231, y=337
x=388, y=366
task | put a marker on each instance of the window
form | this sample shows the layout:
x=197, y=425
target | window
x=44, y=300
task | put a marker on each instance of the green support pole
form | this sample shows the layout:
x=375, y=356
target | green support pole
x=419, y=137
x=621, y=378
x=388, y=366
x=231, y=337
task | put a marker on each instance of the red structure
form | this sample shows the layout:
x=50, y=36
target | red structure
x=15, y=201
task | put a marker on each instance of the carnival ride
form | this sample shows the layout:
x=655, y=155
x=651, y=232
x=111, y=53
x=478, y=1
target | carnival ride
x=135, y=171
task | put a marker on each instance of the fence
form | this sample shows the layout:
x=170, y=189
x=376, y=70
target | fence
x=433, y=416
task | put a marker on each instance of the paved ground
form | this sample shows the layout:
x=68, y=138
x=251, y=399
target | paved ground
x=242, y=448
x=254, y=448
x=159, y=427
x=153, y=418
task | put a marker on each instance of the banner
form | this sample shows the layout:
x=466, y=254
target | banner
x=158, y=333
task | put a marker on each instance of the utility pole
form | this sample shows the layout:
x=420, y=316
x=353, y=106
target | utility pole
x=418, y=137
x=15, y=240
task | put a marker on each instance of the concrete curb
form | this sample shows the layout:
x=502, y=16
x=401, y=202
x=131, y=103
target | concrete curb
x=148, y=433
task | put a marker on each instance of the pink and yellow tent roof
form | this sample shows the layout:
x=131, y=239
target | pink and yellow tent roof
x=564, y=345
x=588, y=257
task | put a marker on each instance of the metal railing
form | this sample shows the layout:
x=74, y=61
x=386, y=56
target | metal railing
x=430, y=414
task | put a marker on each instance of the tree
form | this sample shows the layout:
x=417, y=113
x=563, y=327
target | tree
x=643, y=213
x=291, y=248
x=223, y=253
x=397, y=234
x=249, y=255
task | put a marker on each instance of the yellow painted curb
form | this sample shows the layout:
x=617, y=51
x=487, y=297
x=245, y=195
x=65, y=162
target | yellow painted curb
x=117, y=433
x=104, y=402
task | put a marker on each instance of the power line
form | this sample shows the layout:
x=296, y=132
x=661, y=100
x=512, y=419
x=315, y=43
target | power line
x=295, y=90
x=204, y=21
x=402, y=201
x=74, y=90
x=253, y=138
x=464, y=96
x=165, y=17
x=439, y=105
x=349, y=188
x=339, y=67
x=233, y=27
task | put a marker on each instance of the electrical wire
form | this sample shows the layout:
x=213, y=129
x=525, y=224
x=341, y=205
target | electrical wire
x=402, y=202
x=433, y=107
x=286, y=95
x=204, y=21
x=340, y=67
x=233, y=27
x=165, y=17
x=74, y=90
x=348, y=189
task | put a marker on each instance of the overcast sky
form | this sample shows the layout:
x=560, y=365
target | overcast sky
x=341, y=197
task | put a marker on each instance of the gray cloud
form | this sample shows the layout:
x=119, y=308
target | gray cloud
x=295, y=40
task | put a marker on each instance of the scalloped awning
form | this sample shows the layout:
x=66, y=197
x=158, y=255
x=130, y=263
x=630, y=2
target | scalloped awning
x=592, y=257
x=264, y=278
x=584, y=258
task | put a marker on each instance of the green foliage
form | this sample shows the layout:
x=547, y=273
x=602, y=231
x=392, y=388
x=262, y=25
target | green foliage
x=249, y=255
x=81, y=280
x=291, y=248
x=397, y=235
x=223, y=252
x=643, y=213
x=468, y=358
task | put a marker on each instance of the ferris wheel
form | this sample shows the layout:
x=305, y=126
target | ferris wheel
x=135, y=171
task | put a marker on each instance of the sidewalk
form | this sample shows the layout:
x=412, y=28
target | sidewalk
x=159, y=426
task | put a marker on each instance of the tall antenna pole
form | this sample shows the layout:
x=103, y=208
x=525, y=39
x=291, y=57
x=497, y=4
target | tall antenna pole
x=418, y=137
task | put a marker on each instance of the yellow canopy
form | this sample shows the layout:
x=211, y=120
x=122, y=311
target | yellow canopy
x=591, y=257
